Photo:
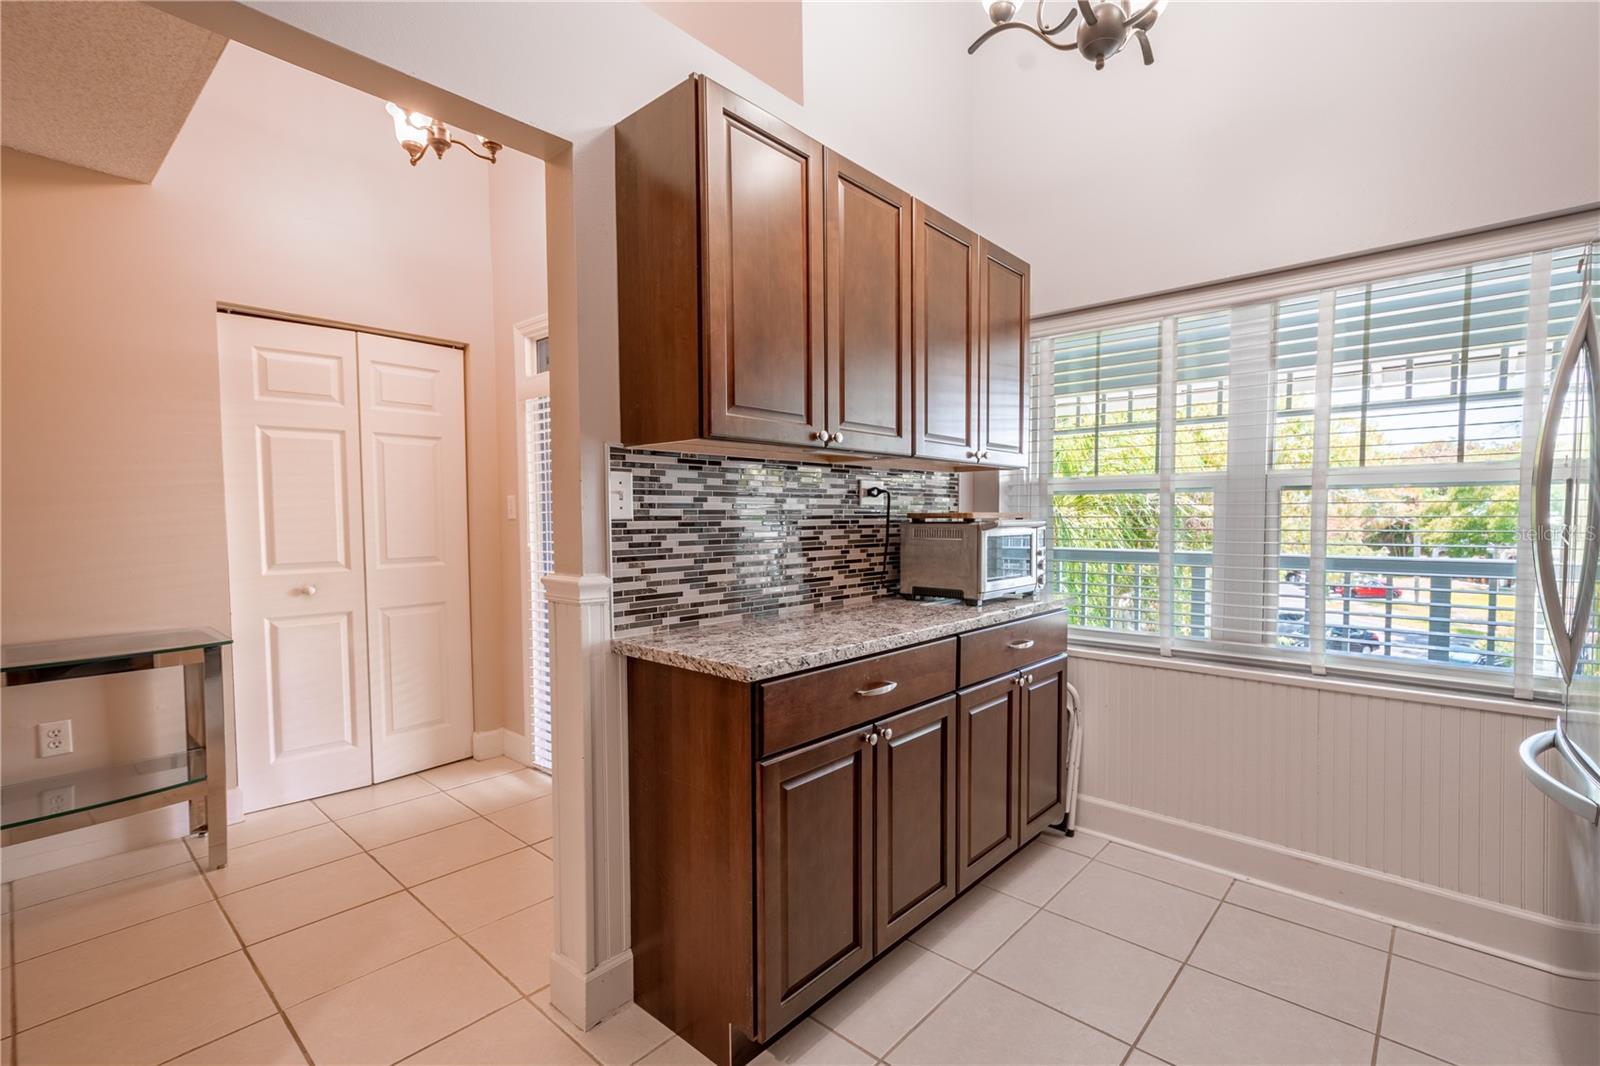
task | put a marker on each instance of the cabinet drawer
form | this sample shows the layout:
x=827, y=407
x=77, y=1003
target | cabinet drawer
x=808, y=706
x=992, y=652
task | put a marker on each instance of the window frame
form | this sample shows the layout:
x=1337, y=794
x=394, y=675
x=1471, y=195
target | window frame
x=1263, y=486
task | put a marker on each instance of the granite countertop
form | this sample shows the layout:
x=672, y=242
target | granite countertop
x=756, y=648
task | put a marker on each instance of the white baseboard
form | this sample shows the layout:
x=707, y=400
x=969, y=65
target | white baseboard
x=492, y=743
x=95, y=842
x=1522, y=936
x=587, y=999
x=489, y=744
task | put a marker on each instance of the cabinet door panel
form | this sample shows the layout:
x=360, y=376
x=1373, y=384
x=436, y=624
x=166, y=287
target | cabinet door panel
x=989, y=735
x=868, y=253
x=944, y=326
x=762, y=211
x=916, y=813
x=814, y=874
x=1004, y=381
x=1043, y=792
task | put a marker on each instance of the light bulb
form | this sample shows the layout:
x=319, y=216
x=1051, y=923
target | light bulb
x=405, y=131
x=999, y=11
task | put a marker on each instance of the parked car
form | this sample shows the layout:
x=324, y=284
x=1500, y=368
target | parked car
x=1460, y=651
x=1295, y=633
x=1367, y=587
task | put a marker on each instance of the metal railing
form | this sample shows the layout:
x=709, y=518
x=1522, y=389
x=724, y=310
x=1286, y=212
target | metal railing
x=1456, y=612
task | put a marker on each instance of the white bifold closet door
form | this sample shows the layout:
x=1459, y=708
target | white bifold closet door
x=344, y=462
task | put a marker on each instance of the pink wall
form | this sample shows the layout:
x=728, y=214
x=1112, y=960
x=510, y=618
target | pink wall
x=284, y=191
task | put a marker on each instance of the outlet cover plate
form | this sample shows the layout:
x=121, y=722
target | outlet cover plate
x=864, y=484
x=55, y=738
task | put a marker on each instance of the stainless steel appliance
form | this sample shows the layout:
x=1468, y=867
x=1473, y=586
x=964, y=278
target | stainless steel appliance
x=976, y=558
x=1567, y=544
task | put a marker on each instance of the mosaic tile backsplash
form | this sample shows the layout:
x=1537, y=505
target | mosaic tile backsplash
x=712, y=537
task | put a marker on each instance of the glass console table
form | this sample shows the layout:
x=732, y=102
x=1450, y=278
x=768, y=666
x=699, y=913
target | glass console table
x=196, y=775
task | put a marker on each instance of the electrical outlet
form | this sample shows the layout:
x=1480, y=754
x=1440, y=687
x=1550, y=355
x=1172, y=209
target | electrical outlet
x=55, y=738
x=863, y=485
x=58, y=800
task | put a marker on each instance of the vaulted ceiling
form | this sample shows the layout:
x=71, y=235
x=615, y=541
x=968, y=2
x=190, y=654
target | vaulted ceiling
x=105, y=86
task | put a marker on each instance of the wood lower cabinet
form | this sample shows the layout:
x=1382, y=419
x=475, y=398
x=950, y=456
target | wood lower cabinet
x=916, y=813
x=762, y=884
x=772, y=292
x=1041, y=768
x=814, y=872
x=990, y=738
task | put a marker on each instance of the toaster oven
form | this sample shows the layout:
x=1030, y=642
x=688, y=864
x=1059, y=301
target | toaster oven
x=975, y=560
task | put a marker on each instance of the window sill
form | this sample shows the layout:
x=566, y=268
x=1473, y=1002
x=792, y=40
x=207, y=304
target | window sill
x=1128, y=656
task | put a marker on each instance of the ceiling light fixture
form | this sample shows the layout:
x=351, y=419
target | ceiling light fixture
x=417, y=133
x=1105, y=28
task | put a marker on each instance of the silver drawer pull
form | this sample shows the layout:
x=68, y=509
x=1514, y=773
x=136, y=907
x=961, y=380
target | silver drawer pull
x=1020, y=645
x=882, y=688
x=870, y=738
x=888, y=734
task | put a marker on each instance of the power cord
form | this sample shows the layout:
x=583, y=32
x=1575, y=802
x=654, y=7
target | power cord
x=888, y=502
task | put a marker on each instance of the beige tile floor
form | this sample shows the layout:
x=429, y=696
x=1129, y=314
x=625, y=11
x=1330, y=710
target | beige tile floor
x=411, y=921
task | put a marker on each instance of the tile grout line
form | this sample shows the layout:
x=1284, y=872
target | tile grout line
x=187, y=858
x=559, y=1021
x=261, y=978
x=11, y=964
x=1134, y=1044
x=195, y=862
x=915, y=1026
x=1383, y=998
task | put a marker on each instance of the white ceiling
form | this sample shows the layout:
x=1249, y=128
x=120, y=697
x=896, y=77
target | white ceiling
x=105, y=86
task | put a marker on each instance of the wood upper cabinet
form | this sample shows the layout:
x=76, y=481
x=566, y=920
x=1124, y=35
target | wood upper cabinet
x=763, y=324
x=1003, y=380
x=813, y=874
x=1043, y=786
x=989, y=735
x=945, y=335
x=916, y=816
x=771, y=291
x=868, y=254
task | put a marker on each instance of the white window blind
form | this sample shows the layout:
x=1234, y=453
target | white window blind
x=1333, y=478
x=542, y=559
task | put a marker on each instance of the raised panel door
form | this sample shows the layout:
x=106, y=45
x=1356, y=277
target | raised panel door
x=1042, y=791
x=763, y=275
x=813, y=875
x=916, y=816
x=868, y=255
x=418, y=637
x=296, y=558
x=945, y=336
x=1003, y=426
x=989, y=734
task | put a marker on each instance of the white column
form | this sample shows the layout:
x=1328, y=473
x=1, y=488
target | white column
x=591, y=972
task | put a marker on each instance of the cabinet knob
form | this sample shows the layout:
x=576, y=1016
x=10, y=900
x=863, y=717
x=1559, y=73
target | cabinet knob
x=306, y=590
x=888, y=734
x=983, y=455
x=972, y=455
x=870, y=738
x=838, y=438
x=818, y=434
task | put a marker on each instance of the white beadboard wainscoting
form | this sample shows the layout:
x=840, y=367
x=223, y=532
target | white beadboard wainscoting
x=1408, y=805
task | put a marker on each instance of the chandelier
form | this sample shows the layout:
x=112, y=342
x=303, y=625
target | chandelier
x=417, y=133
x=1105, y=28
